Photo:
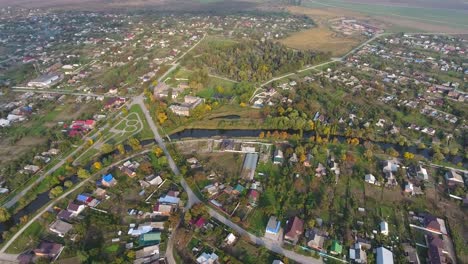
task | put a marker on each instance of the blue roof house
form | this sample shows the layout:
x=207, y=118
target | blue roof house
x=108, y=180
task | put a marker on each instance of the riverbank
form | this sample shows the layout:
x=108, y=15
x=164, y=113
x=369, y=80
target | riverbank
x=196, y=133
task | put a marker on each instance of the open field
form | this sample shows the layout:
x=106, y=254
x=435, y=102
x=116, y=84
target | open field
x=9, y=151
x=160, y=5
x=412, y=16
x=248, y=118
x=320, y=38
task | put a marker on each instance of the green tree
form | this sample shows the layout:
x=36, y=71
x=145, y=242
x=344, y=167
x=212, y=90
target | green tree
x=83, y=174
x=68, y=184
x=134, y=144
x=4, y=214
x=107, y=148
x=56, y=191
x=121, y=149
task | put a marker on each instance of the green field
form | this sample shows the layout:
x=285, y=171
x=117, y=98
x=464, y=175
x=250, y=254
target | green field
x=444, y=17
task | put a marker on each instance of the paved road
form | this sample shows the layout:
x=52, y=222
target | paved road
x=8, y=257
x=193, y=199
x=332, y=60
x=264, y=242
x=34, y=90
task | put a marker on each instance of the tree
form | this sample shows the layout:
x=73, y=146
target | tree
x=368, y=154
x=262, y=135
x=392, y=152
x=4, y=214
x=408, y=156
x=187, y=217
x=56, y=191
x=131, y=254
x=97, y=165
x=146, y=167
x=121, y=149
x=162, y=117
x=157, y=151
x=68, y=184
x=83, y=174
x=124, y=111
x=134, y=143
x=438, y=156
x=107, y=148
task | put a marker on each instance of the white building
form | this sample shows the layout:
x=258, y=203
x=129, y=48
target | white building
x=206, y=258
x=384, y=256
x=45, y=81
x=369, y=178
x=384, y=228
x=421, y=173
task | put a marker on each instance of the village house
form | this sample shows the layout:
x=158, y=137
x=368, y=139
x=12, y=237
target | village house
x=87, y=200
x=273, y=229
x=254, y=196
x=249, y=166
x=48, y=250
x=60, y=228
x=149, y=239
x=453, y=178
x=389, y=168
x=190, y=102
x=207, y=258
x=316, y=239
x=129, y=168
x=108, y=180
x=357, y=253
x=437, y=252
x=31, y=168
x=336, y=248
x=170, y=198
x=421, y=173
x=198, y=223
x=369, y=178
x=320, y=171
x=75, y=209
x=162, y=209
x=384, y=228
x=278, y=157
x=434, y=224
x=64, y=215
x=147, y=254
x=114, y=102
x=411, y=254
x=384, y=256
x=230, y=239
x=294, y=229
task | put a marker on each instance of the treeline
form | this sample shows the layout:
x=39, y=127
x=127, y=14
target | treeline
x=254, y=61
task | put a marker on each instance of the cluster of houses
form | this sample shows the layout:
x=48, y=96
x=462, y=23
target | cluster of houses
x=184, y=108
x=79, y=127
x=439, y=244
x=349, y=27
x=162, y=90
x=18, y=111
x=436, y=238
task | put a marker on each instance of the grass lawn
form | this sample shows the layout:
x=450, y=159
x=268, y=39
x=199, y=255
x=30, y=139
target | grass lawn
x=146, y=133
x=27, y=239
x=112, y=248
x=249, y=118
